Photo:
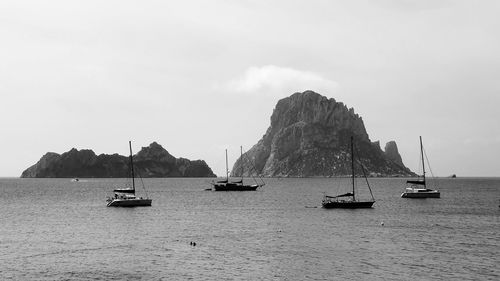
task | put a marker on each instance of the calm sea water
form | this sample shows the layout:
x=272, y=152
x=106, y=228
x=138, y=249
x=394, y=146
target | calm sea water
x=54, y=229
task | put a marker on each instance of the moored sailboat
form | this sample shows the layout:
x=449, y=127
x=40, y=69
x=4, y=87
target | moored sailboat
x=227, y=185
x=126, y=197
x=349, y=200
x=418, y=188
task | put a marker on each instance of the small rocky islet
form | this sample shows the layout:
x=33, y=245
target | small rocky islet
x=150, y=161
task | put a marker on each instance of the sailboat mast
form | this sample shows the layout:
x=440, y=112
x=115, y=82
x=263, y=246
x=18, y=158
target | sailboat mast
x=131, y=165
x=227, y=169
x=352, y=166
x=422, y=154
x=241, y=160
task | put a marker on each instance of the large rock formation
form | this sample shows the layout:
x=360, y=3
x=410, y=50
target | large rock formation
x=310, y=136
x=151, y=161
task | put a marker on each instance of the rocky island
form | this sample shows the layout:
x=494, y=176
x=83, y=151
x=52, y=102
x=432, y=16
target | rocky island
x=310, y=135
x=151, y=161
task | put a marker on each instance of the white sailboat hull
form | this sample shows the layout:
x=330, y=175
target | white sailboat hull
x=421, y=193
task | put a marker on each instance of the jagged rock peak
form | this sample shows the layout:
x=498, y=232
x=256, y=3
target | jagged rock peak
x=392, y=153
x=155, y=145
x=312, y=108
x=155, y=152
x=50, y=155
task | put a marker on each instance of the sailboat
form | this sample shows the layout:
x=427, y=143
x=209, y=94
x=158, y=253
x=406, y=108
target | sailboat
x=414, y=190
x=349, y=200
x=226, y=185
x=126, y=197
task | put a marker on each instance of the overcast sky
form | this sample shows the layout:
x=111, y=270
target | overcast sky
x=202, y=76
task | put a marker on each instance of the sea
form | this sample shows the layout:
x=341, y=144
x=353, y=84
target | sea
x=58, y=229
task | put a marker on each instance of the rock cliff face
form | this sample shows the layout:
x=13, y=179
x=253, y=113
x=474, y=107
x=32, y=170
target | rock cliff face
x=310, y=136
x=151, y=161
x=392, y=153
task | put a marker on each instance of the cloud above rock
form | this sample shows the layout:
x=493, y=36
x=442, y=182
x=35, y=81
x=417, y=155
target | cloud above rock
x=275, y=79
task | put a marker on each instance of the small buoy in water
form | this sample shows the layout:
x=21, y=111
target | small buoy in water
x=382, y=223
x=194, y=244
x=191, y=243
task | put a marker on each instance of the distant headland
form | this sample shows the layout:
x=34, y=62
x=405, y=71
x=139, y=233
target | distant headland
x=151, y=161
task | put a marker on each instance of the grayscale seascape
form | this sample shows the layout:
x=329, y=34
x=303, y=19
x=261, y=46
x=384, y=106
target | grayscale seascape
x=55, y=229
x=246, y=121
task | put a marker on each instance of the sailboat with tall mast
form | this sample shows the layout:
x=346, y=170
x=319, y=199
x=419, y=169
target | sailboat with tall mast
x=226, y=185
x=415, y=190
x=349, y=200
x=125, y=197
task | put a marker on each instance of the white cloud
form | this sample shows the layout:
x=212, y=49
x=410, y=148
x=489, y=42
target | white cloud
x=275, y=79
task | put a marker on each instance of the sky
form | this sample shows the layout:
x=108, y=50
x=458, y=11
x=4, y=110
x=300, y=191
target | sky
x=199, y=77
